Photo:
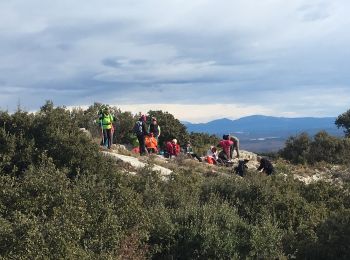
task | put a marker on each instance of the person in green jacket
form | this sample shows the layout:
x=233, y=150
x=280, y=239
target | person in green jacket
x=106, y=122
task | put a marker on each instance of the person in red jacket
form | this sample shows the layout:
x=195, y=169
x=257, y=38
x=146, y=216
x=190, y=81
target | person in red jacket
x=226, y=145
x=173, y=148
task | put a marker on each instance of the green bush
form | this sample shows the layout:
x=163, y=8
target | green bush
x=322, y=148
x=61, y=198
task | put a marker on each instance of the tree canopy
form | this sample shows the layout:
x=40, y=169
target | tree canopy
x=343, y=121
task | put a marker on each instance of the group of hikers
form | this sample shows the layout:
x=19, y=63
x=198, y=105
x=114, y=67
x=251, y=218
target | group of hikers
x=148, y=137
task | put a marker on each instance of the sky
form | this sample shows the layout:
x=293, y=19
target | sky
x=199, y=60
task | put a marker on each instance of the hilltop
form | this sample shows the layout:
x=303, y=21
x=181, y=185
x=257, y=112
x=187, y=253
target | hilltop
x=62, y=197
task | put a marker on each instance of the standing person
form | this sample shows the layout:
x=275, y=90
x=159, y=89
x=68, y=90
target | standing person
x=154, y=128
x=106, y=121
x=265, y=166
x=235, y=146
x=226, y=145
x=140, y=130
x=189, y=150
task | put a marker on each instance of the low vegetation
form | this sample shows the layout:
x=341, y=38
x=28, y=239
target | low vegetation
x=60, y=198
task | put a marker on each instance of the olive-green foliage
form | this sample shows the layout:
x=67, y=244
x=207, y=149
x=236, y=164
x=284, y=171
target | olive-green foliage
x=343, y=121
x=170, y=127
x=202, y=142
x=124, y=122
x=297, y=148
x=124, y=125
x=61, y=199
x=323, y=147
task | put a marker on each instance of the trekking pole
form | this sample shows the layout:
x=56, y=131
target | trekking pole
x=113, y=128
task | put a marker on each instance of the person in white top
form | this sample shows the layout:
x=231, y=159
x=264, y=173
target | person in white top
x=212, y=155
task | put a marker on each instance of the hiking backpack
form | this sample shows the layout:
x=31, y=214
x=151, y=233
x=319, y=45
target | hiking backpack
x=138, y=128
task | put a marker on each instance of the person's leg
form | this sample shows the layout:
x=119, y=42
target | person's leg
x=231, y=151
x=143, y=150
x=141, y=144
x=222, y=156
x=194, y=155
x=237, y=148
x=105, y=137
x=109, y=136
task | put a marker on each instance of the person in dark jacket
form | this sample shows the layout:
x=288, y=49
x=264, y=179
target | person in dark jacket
x=154, y=128
x=265, y=166
x=241, y=168
x=140, y=129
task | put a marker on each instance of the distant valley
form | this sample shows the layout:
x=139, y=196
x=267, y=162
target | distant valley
x=260, y=133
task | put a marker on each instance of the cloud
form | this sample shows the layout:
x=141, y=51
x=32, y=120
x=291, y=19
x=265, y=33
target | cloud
x=199, y=113
x=282, y=57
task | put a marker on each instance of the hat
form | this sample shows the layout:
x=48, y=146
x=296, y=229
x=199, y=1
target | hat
x=174, y=141
x=154, y=118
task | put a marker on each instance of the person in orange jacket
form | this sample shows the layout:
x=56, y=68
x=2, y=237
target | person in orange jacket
x=151, y=143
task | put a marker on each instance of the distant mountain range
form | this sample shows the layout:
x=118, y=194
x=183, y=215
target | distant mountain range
x=266, y=133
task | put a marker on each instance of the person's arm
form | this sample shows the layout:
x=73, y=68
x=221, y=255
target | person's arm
x=177, y=149
x=158, y=131
x=261, y=167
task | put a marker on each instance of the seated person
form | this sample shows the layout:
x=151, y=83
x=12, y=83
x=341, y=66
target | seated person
x=241, y=168
x=151, y=143
x=212, y=155
x=173, y=148
x=265, y=166
x=189, y=151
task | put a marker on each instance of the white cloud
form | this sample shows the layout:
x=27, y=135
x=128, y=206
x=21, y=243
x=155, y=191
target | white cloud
x=245, y=52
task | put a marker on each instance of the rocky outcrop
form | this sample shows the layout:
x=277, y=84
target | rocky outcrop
x=137, y=164
x=245, y=155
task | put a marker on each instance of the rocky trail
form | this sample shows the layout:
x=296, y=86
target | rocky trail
x=135, y=163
